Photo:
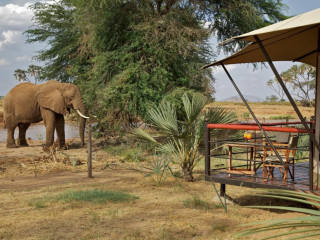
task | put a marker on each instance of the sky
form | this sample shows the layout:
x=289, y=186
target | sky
x=16, y=17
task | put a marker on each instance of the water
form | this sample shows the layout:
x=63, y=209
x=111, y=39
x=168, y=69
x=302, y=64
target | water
x=38, y=132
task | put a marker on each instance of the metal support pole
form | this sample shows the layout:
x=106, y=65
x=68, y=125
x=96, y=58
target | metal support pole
x=294, y=105
x=316, y=152
x=207, y=148
x=252, y=114
x=222, y=190
x=311, y=159
x=89, y=152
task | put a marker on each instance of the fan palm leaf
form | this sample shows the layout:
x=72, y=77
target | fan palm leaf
x=183, y=138
x=164, y=117
x=299, y=227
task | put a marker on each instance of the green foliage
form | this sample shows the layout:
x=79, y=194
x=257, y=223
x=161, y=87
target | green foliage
x=96, y=196
x=281, y=117
x=127, y=153
x=274, y=98
x=157, y=169
x=126, y=55
x=246, y=116
x=24, y=75
x=133, y=155
x=38, y=204
x=198, y=203
x=301, y=80
x=301, y=227
x=55, y=24
x=303, y=143
x=175, y=98
x=182, y=138
x=220, y=226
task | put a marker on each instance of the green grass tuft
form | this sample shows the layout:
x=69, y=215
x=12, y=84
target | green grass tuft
x=220, y=226
x=38, y=204
x=126, y=153
x=96, y=196
x=282, y=117
x=197, y=203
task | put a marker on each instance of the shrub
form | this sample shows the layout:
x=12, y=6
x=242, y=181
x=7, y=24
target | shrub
x=157, y=169
x=282, y=117
x=181, y=138
x=175, y=98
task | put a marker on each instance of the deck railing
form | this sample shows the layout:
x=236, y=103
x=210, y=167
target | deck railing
x=216, y=160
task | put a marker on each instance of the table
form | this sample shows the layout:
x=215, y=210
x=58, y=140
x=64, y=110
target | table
x=250, y=170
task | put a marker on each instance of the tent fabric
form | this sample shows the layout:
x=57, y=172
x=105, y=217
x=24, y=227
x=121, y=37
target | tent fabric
x=294, y=39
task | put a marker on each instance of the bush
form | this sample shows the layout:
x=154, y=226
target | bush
x=128, y=153
x=282, y=117
x=175, y=98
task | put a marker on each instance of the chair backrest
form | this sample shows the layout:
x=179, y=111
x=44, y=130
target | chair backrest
x=293, y=143
x=282, y=137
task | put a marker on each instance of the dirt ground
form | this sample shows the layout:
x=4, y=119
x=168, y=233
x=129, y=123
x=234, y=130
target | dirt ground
x=160, y=212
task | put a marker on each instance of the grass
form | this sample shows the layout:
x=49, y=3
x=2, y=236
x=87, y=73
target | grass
x=95, y=196
x=220, y=226
x=197, y=203
x=264, y=110
x=282, y=117
x=127, y=154
x=67, y=205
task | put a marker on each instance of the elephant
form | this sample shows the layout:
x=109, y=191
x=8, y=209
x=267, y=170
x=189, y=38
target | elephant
x=28, y=103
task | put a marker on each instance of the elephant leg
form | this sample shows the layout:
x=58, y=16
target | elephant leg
x=10, y=136
x=60, y=131
x=49, y=120
x=22, y=141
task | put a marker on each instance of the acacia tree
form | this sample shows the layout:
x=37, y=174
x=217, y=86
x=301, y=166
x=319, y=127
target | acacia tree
x=300, y=80
x=126, y=55
x=24, y=75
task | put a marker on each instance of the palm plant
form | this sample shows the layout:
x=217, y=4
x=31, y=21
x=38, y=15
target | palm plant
x=298, y=227
x=182, y=138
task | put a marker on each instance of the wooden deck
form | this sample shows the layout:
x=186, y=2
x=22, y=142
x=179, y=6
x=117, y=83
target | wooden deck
x=301, y=182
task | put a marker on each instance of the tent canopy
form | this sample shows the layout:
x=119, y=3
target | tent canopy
x=289, y=40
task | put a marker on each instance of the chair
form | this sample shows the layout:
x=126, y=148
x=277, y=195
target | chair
x=279, y=138
x=282, y=137
x=287, y=152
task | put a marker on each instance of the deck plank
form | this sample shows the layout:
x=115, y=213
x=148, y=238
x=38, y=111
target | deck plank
x=301, y=182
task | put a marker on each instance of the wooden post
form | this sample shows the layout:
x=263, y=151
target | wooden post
x=89, y=151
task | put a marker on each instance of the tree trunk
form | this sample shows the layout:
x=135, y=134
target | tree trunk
x=82, y=125
x=187, y=173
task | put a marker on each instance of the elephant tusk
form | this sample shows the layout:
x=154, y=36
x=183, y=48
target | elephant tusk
x=81, y=114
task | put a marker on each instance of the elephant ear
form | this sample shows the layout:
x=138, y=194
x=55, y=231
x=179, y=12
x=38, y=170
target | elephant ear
x=51, y=98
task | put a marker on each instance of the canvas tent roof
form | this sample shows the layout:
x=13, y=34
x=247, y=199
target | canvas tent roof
x=294, y=39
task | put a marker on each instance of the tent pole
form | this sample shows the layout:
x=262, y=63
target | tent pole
x=294, y=105
x=252, y=114
x=316, y=156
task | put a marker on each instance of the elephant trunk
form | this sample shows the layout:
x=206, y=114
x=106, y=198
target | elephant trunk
x=82, y=125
